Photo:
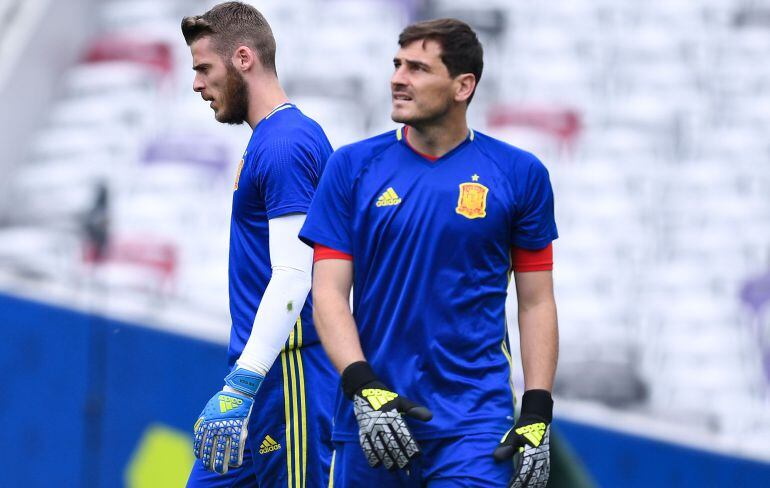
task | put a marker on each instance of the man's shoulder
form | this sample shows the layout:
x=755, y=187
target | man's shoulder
x=365, y=149
x=288, y=143
x=286, y=127
x=499, y=149
x=510, y=158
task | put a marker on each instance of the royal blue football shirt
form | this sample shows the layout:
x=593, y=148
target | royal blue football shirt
x=431, y=248
x=277, y=176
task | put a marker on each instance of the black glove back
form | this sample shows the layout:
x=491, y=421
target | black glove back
x=383, y=433
x=531, y=438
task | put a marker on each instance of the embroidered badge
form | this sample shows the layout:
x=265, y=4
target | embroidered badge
x=472, y=202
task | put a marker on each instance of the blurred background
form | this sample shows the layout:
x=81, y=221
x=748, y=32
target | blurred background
x=653, y=119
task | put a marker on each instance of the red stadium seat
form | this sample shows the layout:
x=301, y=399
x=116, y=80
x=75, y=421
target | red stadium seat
x=119, y=47
x=562, y=123
x=157, y=256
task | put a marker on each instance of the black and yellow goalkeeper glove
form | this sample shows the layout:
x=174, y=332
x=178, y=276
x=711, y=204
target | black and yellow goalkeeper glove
x=530, y=438
x=382, y=431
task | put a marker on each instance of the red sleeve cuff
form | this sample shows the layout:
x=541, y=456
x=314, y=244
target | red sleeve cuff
x=322, y=252
x=525, y=260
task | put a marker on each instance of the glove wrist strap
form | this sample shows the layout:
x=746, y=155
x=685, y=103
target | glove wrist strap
x=355, y=376
x=244, y=381
x=537, y=403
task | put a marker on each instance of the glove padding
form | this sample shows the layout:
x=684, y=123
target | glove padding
x=383, y=433
x=530, y=437
x=222, y=427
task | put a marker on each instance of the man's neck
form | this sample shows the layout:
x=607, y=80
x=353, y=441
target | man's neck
x=264, y=97
x=437, y=139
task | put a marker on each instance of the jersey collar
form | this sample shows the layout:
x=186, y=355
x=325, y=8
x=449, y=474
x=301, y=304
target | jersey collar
x=280, y=107
x=401, y=137
x=277, y=109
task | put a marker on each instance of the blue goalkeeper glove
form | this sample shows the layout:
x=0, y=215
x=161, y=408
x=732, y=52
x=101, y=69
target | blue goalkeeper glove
x=222, y=428
x=530, y=439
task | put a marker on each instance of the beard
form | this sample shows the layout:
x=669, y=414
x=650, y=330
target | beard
x=424, y=116
x=235, y=99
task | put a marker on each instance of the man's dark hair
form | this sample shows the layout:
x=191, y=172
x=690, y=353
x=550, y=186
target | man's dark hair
x=461, y=51
x=230, y=25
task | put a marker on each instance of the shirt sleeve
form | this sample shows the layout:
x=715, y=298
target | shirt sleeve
x=525, y=260
x=535, y=226
x=329, y=219
x=321, y=252
x=287, y=177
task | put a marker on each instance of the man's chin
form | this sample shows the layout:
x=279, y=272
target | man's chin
x=226, y=118
x=399, y=117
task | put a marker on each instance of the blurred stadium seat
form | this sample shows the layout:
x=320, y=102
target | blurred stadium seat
x=130, y=48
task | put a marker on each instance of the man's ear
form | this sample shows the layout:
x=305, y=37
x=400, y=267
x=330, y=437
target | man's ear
x=465, y=85
x=243, y=58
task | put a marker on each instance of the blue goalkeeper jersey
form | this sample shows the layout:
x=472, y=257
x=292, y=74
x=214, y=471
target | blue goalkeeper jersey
x=278, y=175
x=431, y=246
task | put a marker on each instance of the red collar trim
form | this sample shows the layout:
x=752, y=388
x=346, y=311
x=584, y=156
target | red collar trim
x=426, y=156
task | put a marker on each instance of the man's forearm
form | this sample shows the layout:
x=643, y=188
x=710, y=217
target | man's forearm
x=279, y=308
x=539, y=336
x=284, y=296
x=334, y=321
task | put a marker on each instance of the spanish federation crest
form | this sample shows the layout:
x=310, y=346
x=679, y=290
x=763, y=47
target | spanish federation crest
x=472, y=202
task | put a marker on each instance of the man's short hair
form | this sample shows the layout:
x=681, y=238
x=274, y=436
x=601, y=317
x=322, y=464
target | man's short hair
x=461, y=51
x=232, y=24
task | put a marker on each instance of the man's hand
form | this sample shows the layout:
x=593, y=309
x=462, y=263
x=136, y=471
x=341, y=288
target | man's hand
x=222, y=428
x=382, y=431
x=530, y=437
